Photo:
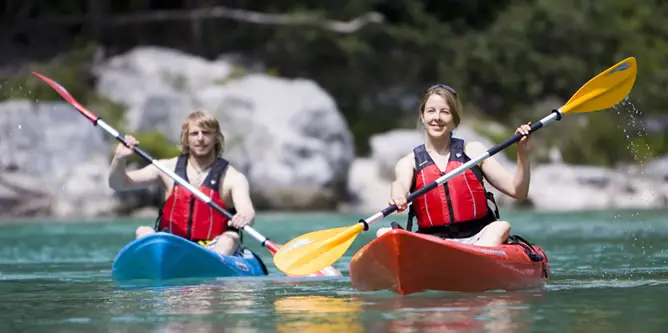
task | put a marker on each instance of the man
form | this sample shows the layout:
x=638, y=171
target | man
x=200, y=163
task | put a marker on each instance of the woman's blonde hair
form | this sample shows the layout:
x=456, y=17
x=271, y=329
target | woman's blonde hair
x=450, y=97
x=207, y=122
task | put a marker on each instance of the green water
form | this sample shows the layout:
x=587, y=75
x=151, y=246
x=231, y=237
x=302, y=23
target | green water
x=609, y=274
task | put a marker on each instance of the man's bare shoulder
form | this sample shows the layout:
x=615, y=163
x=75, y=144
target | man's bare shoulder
x=232, y=175
x=169, y=164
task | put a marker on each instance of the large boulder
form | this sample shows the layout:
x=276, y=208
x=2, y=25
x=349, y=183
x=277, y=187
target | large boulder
x=562, y=187
x=286, y=135
x=53, y=162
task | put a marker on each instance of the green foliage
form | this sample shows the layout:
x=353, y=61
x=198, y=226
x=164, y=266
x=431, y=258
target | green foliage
x=69, y=70
x=607, y=139
x=236, y=73
x=156, y=145
x=503, y=57
x=112, y=113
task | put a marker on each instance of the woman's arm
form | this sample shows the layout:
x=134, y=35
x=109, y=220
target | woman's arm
x=515, y=186
x=404, y=171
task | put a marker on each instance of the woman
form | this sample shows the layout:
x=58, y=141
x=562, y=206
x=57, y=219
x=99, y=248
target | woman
x=458, y=209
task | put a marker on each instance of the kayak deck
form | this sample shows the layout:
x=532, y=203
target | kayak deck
x=407, y=262
x=163, y=256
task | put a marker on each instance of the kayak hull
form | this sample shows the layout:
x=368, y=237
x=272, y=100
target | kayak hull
x=163, y=256
x=407, y=262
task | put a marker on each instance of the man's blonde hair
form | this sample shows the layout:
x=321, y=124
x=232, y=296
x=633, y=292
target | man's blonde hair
x=207, y=122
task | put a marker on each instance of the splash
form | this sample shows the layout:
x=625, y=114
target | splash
x=633, y=127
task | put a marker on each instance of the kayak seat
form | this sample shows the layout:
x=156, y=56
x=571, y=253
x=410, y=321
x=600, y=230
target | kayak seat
x=396, y=225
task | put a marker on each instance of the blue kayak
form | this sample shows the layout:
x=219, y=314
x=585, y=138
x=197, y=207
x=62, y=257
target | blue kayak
x=163, y=256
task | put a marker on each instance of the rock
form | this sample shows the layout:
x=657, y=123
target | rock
x=87, y=192
x=389, y=147
x=290, y=140
x=52, y=158
x=286, y=135
x=560, y=187
x=657, y=168
x=149, y=213
x=370, y=192
x=22, y=194
x=151, y=78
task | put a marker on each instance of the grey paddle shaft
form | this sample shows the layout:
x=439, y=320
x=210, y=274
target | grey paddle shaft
x=248, y=229
x=554, y=115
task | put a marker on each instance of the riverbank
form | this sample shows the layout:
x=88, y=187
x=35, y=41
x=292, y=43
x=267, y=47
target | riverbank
x=291, y=141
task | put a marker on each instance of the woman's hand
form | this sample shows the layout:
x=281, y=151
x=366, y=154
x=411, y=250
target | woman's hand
x=523, y=146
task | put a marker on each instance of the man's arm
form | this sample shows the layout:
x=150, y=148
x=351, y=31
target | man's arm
x=120, y=179
x=240, y=193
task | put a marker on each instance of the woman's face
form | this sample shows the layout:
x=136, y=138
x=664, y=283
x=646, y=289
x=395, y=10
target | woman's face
x=437, y=117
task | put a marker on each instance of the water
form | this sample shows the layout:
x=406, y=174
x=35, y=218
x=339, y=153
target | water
x=633, y=128
x=609, y=274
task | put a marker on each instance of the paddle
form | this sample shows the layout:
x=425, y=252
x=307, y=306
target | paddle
x=312, y=251
x=97, y=121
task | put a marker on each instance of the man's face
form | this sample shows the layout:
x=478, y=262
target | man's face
x=200, y=141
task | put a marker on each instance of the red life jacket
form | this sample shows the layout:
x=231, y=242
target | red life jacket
x=462, y=200
x=183, y=214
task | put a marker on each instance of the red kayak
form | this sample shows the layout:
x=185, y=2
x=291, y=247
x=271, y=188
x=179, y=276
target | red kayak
x=407, y=262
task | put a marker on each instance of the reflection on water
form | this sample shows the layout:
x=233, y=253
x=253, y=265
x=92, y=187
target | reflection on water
x=318, y=314
x=210, y=301
x=499, y=313
x=494, y=312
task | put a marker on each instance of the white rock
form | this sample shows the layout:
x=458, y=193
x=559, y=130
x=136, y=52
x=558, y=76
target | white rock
x=48, y=154
x=286, y=135
x=559, y=187
x=370, y=191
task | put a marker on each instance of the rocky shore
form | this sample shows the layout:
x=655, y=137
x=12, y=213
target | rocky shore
x=287, y=135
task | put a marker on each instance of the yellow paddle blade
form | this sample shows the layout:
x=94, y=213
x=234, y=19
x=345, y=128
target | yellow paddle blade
x=605, y=89
x=315, y=250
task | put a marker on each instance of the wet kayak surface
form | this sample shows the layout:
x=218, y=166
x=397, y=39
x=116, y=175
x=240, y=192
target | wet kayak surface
x=609, y=273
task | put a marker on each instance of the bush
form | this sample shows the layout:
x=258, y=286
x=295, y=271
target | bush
x=156, y=145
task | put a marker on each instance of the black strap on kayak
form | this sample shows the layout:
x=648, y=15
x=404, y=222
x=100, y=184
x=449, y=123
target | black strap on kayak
x=531, y=251
x=411, y=215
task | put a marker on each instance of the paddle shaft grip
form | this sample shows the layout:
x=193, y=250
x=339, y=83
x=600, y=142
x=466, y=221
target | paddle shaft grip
x=515, y=138
x=554, y=115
